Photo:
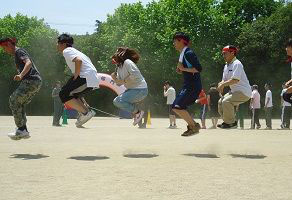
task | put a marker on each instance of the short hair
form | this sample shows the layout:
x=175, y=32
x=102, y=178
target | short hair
x=124, y=53
x=4, y=41
x=255, y=87
x=230, y=48
x=167, y=83
x=268, y=85
x=181, y=36
x=289, y=43
x=66, y=39
x=213, y=85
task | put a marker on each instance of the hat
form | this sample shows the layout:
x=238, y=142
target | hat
x=5, y=41
x=230, y=48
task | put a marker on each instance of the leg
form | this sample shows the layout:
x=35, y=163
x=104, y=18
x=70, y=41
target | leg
x=185, y=115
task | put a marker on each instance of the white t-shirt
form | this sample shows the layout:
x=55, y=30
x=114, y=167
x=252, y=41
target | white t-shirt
x=269, y=95
x=234, y=70
x=181, y=56
x=285, y=103
x=256, y=104
x=87, y=69
x=170, y=94
x=131, y=75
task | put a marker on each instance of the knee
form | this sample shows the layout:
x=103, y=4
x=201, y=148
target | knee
x=63, y=95
x=12, y=101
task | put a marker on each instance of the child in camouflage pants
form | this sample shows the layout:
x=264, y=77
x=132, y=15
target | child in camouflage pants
x=30, y=84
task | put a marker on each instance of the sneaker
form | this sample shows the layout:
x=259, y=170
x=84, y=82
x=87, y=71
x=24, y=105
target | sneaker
x=212, y=127
x=84, y=118
x=258, y=127
x=138, y=117
x=228, y=126
x=268, y=128
x=174, y=127
x=192, y=130
x=19, y=134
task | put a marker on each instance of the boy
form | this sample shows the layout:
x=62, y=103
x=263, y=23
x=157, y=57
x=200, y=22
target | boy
x=287, y=96
x=255, y=106
x=30, y=83
x=84, y=78
x=169, y=93
x=204, y=109
x=213, y=98
x=268, y=106
x=240, y=91
x=190, y=67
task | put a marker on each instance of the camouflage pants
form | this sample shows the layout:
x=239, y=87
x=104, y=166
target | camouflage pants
x=21, y=97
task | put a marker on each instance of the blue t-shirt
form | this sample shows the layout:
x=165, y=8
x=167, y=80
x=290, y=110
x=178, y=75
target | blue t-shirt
x=191, y=80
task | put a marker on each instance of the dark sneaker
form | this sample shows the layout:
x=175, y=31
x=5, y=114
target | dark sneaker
x=228, y=126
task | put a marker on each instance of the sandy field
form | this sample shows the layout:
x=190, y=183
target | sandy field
x=110, y=159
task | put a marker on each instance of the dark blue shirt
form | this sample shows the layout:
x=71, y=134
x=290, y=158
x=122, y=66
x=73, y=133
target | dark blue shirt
x=190, y=60
x=20, y=56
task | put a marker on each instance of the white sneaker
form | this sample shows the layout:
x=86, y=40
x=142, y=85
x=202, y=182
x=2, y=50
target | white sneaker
x=18, y=134
x=84, y=118
x=138, y=117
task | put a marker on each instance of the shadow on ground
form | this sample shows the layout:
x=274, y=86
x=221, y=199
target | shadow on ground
x=248, y=156
x=200, y=155
x=29, y=156
x=141, y=155
x=88, y=158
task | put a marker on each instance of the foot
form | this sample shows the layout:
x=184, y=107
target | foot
x=19, y=134
x=258, y=127
x=228, y=126
x=138, y=117
x=212, y=127
x=268, y=128
x=84, y=118
x=192, y=130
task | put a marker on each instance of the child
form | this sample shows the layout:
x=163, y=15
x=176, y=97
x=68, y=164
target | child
x=84, y=78
x=128, y=74
x=213, y=98
x=190, y=67
x=58, y=105
x=30, y=83
x=204, y=109
x=169, y=93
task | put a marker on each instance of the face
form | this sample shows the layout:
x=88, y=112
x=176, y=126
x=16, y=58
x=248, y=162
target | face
x=266, y=87
x=289, y=51
x=228, y=56
x=178, y=44
x=61, y=47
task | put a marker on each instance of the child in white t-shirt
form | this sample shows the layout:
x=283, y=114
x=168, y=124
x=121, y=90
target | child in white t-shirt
x=84, y=78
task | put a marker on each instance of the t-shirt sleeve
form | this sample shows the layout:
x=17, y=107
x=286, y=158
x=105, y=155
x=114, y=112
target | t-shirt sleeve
x=192, y=58
x=69, y=54
x=21, y=55
x=237, y=72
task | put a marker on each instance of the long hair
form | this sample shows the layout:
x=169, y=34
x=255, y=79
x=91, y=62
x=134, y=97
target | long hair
x=124, y=53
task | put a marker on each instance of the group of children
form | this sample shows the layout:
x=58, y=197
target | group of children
x=85, y=78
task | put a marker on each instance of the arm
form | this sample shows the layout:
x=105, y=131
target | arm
x=78, y=63
x=116, y=80
x=208, y=99
x=224, y=84
x=266, y=105
x=251, y=102
x=26, y=69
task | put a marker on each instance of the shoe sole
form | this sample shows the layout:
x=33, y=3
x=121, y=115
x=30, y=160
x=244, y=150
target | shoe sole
x=18, y=137
x=138, y=119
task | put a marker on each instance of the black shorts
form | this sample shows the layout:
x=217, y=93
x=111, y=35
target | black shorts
x=170, y=111
x=287, y=97
x=186, y=97
x=74, y=89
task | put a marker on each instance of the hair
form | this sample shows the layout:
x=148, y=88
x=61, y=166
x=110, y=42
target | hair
x=289, y=43
x=255, y=87
x=66, y=39
x=124, y=53
x=268, y=85
x=181, y=36
x=167, y=83
x=213, y=85
x=10, y=40
x=232, y=48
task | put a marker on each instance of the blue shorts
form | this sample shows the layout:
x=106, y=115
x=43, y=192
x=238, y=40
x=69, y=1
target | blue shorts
x=185, y=98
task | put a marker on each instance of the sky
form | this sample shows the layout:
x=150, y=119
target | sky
x=70, y=16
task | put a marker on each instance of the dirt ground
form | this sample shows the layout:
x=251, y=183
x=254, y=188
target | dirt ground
x=111, y=159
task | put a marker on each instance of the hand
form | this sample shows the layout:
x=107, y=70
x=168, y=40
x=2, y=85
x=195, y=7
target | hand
x=220, y=88
x=17, y=78
x=114, y=75
x=178, y=71
x=164, y=88
x=75, y=76
x=180, y=67
x=287, y=84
